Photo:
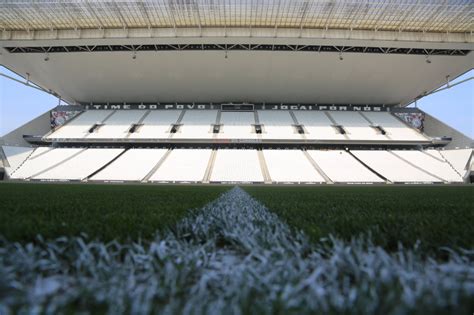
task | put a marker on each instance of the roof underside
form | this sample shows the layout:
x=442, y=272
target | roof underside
x=242, y=76
x=452, y=16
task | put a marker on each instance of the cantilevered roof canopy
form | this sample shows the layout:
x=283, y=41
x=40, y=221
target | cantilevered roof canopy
x=452, y=16
x=292, y=51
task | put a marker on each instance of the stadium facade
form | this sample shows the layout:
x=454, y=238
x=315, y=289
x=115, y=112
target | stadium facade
x=189, y=91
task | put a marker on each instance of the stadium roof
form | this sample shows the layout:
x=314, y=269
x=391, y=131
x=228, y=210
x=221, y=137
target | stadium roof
x=311, y=51
x=453, y=16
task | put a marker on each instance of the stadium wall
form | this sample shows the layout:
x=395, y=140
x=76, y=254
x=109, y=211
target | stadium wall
x=433, y=127
x=40, y=126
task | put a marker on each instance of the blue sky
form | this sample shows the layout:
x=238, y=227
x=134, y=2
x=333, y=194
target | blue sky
x=454, y=106
x=19, y=104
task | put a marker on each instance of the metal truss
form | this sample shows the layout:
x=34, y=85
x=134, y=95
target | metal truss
x=442, y=16
x=239, y=47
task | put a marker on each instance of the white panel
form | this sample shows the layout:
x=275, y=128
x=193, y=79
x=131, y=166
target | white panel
x=318, y=125
x=236, y=166
x=237, y=125
x=81, y=165
x=79, y=126
x=157, y=125
x=117, y=126
x=392, y=167
x=197, y=124
x=394, y=128
x=15, y=156
x=254, y=76
x=458, y=159
x=356, y=127
x=431, y=163
x=183, y=165
x=341, y=167
x=133, y=165
x=42, y=159
x=290, y=166
x=277, y=125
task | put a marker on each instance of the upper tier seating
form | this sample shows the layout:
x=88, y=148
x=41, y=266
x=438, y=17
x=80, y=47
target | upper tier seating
x=78, y=127
x=157, y=125
x=317, y=126
x=356, y=126
x=237, y=125
x=272, y=125
x=290, y=166
x=236, y=166
x=117, y=125
x=278, y=125
x=395, y=129
x=341, y=167
x=197, y=124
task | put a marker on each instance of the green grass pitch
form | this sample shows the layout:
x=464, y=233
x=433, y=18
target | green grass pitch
x=436, y=215
x=105, y=212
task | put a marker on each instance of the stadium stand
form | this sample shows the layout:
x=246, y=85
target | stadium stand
x=458, y=159
x=117, y=125
x=204, y=165
x=237, y=165
x=78, y=166
x=79, y=126
x=270, y=146
x=42, y=159
x=267, y=125
x=318, y=126
x=39, y=151
x=15, y=156
x=395, y=129
x=432, y=164
x=278, y=125
x=356, y=126
x=237, y=125
x=341, y=167
x=197, y=124
x=290, y=166
x=157, y=125
x=279, y=162
x=183, y=165
x=393, y=168
x=293, y=108
x=133, y=165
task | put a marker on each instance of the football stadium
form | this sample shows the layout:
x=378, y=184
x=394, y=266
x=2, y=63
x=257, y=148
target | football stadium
x=237, y=157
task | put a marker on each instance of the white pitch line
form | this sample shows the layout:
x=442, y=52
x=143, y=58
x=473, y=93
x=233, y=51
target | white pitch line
x=233, y=256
